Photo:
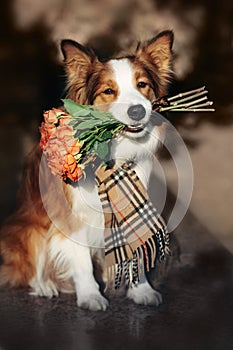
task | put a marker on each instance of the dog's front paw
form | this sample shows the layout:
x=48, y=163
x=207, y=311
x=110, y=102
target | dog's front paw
x=144, y=294
x=43, y=289
x=93, y=302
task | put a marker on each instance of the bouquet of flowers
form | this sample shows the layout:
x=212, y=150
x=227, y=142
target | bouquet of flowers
x=71, y=140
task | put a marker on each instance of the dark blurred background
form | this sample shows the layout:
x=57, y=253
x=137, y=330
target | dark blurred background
x=32, y=80
x=197, y=312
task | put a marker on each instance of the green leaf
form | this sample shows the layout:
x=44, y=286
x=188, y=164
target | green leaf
x=75, y=109
x=83, y=135
x=101, y=149
x=93, y=127
x=90, y=145
x=81, y=113
x=88, y=124
x=105, y=116
x=106, y=135
x=74, y=123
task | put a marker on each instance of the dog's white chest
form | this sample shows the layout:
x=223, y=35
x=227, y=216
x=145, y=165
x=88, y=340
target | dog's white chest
x=86, y=203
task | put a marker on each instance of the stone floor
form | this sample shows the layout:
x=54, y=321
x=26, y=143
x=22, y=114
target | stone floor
x=196, y=314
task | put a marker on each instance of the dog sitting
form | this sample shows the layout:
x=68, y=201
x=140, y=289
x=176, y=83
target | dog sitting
x=35, y=251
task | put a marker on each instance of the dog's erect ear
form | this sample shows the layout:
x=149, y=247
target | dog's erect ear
x=78, y=63
x=158, y=51
x=76, y=56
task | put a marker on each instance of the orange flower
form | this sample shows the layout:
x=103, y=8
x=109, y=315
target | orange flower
x=77, y=174
x=56, y=152
x=50, y=117
x=69, y=163
x=75, y=147
x=71, y=169
x=55, y=165
x=65, y=132
x=46, y=130
x=59, y=145
x=65, y=119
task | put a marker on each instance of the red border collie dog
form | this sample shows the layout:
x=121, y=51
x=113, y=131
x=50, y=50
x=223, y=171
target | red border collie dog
x=35, y=251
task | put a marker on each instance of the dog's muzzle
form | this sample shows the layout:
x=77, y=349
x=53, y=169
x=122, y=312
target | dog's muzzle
x=136, y=112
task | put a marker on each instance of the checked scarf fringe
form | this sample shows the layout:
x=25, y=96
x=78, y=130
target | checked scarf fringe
x=135, y=233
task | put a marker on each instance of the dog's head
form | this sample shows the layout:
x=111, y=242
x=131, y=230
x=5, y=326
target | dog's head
x=125, y=86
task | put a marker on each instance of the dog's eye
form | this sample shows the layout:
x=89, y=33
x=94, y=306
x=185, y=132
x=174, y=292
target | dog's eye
x=109, y=91
x=141, y=84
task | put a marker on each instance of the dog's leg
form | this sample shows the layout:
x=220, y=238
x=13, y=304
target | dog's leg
x=144, y=294
x=87, y=289
x=73, y=261
x=41, y=285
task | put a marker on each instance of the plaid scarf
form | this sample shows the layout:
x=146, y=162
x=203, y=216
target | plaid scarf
x=135, y=234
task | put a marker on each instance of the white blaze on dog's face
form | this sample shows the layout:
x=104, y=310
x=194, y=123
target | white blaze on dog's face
x=124, y=86
x=130, y=106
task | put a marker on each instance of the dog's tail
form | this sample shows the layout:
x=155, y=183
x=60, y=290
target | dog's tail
x=24, y=230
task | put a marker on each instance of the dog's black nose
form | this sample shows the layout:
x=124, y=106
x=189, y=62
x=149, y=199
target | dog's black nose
x=136, y=112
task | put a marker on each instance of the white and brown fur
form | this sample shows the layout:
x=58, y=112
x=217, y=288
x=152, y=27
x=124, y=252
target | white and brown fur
x=35, y=252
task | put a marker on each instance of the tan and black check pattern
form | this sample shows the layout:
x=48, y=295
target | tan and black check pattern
x=135, y=233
